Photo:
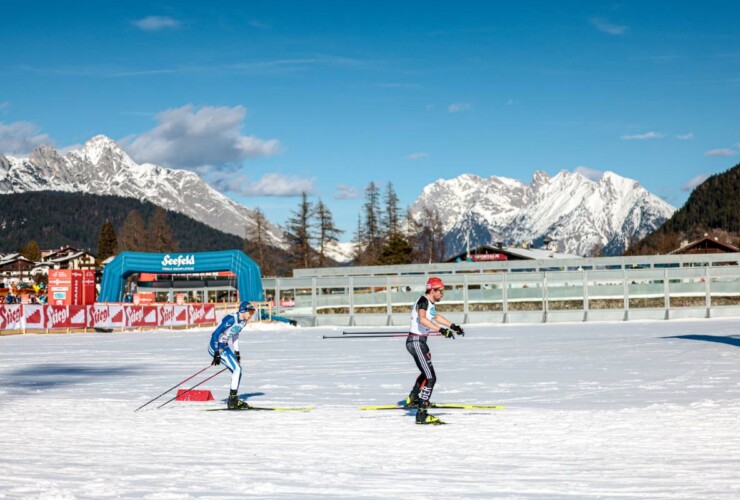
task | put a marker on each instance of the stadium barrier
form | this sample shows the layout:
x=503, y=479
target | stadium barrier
x=36, y=318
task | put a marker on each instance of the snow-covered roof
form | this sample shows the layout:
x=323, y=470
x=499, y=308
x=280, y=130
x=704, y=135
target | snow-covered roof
x=67, y=258
x=538, y=253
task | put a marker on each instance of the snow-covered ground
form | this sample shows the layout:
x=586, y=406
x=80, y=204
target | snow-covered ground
x=597, y=410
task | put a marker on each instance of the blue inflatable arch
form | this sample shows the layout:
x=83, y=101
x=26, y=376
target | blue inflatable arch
x=248, y=274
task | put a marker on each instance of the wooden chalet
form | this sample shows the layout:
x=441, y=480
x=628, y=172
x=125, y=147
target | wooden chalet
x=488, y=253
x=706, y=244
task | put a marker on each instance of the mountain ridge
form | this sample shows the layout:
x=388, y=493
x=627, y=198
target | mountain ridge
x=102, y=167
x=581, y=215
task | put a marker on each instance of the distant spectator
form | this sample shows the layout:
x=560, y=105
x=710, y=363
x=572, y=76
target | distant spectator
x=9, y=299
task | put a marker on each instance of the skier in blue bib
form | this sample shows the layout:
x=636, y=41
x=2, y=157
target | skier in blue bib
x=229, y=330
x=426, y=320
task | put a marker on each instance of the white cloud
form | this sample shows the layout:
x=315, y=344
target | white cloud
x=345, y=192
x=606, y=27
x=720, y=152
x=279, y=185
x=458, y=107
x=418, y=155
x=589, y=173
x=685, y=137
x=642, y=137
x=271, y=184
x=693, y=182
x=189, y=138
x=20, y=138
x=156, y=23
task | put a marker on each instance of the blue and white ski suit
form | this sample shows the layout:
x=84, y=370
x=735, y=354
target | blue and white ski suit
x=228, y=330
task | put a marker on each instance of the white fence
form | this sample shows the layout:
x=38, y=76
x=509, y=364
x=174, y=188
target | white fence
x=662, y=287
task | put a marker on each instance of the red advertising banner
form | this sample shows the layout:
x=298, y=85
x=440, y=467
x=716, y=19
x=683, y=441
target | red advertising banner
x=60, y=287
x=89, y=294
x=71, y=287
x=33, y=317
x=489, y=256
x=201, y=313
x=49, y=317
x=77, y=316
x=173, y=315
x=65, y=317
x=56, y=317
x=98, y=316
x=141, y=316
x=117, y=316
x=142, y=298
x=11, y=317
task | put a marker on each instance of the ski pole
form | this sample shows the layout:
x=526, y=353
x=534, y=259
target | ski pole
x=196, y=385
x=176, y=385
x=377, y=336
x=372, y=333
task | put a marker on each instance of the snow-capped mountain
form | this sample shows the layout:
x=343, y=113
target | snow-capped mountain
x=101, y=167
x=580, y=215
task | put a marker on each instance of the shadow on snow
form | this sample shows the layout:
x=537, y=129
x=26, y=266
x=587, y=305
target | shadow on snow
x=48, y=376
x=727, y=339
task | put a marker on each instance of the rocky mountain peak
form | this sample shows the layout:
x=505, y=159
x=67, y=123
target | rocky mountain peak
x=102, y=167
x=577, y=212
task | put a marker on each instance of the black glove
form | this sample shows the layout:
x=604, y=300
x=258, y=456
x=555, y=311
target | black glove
x=458, y=329
x=293, y=322
x=238, y=357
x=447, y=333
x=216, y=358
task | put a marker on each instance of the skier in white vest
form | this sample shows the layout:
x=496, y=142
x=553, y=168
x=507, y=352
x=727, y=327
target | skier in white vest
x=426, y=320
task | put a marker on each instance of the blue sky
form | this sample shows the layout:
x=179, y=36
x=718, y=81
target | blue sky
x=268, y=99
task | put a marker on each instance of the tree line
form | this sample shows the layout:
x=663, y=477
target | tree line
x=384, y=236
x=713, y=208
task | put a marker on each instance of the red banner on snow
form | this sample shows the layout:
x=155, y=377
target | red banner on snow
x=49, y=317
x=141, y=316
x=11, y=317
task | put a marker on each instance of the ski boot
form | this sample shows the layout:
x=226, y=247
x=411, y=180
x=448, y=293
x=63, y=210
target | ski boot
x=235, y=403
x=423, y=418
x=412, y=401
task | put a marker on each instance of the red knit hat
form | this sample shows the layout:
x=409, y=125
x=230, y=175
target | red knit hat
x=434, y=283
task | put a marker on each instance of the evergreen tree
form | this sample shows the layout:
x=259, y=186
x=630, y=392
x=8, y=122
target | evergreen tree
x=429, y=243
x=256, y=245
x=132, y=235
x=391, y=217
x=712, y=206
x=359, y=242
x=298, y=233
x=397, y=250
x=372, y=231
x=31, y=251
x=328, y=233
x=107, y=241
x=160, y=238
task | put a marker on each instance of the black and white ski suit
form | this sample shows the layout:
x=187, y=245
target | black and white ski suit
x=416, y=344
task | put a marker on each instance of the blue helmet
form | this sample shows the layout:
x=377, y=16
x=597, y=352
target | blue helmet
x=245, y=307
